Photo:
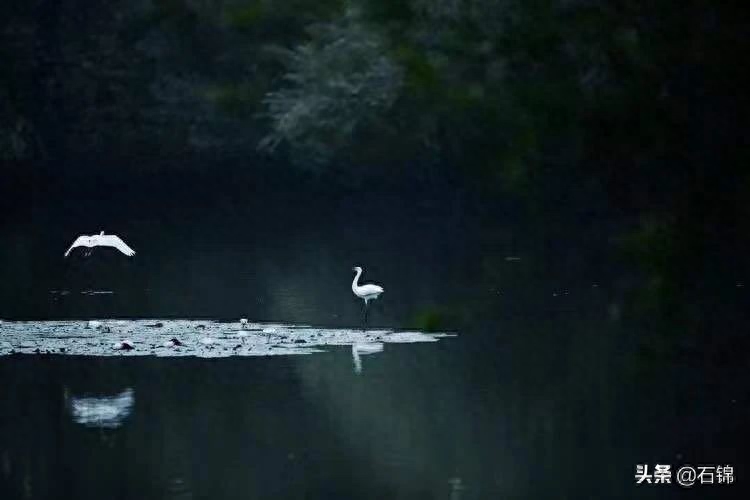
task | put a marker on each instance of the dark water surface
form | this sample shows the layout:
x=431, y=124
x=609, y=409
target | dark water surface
x=563, y=184
x=546, y=392
x=540, y=409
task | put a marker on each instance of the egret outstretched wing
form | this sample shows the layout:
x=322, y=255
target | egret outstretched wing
x=110, y=240
x=76, y=243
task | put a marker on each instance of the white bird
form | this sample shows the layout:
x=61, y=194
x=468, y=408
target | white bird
x=365, y=292
x=363, y=349
x=101, y=240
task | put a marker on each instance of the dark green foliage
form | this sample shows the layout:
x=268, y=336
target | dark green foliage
x=333, y=85
x=635, y=106
x=430, y=320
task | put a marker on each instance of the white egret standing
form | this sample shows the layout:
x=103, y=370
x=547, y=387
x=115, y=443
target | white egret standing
x=366, y=292
x=100, y=240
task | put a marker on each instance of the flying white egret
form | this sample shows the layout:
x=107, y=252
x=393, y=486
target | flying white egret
x=362, y=349
x=365, y=292
x=100, y=240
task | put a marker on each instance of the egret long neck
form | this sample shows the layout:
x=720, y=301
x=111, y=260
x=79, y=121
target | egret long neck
x=355, y=283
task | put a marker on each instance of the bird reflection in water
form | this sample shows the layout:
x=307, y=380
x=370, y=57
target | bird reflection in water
x=457, y=487
x=107, y=412
x=362, y=349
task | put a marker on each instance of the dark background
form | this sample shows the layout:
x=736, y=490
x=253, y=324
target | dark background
x=252, y=152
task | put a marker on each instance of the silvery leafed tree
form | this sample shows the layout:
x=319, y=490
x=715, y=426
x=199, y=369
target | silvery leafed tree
x=334, y=84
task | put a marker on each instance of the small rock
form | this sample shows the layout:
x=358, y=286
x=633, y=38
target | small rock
x=123, y=345
x=156, y=325
x=173, y=342
x=300, y=341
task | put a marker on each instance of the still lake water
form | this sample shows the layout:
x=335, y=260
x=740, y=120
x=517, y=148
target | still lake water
x=549, y=411
x=543, y=393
